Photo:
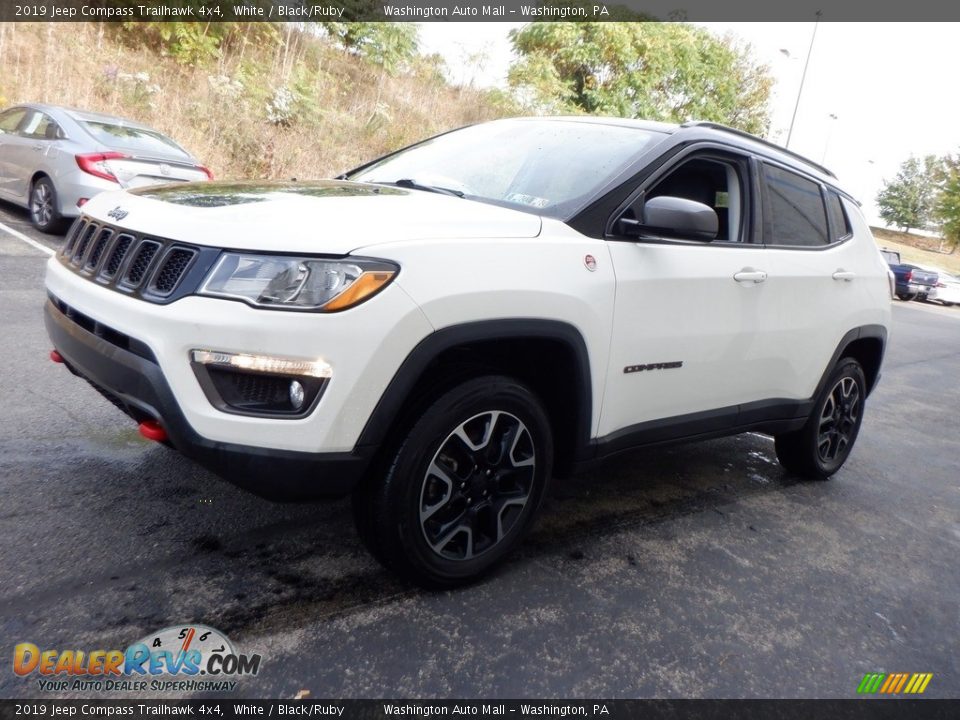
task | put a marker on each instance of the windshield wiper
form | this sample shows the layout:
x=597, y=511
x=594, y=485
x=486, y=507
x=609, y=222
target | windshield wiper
x=414, y=185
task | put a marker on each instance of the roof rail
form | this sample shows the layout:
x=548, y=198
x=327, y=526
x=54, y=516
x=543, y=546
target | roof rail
x=741, y=133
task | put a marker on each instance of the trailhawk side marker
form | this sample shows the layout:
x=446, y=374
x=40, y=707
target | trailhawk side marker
x=653, y=366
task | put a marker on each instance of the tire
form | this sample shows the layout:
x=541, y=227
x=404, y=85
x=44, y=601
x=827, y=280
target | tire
x=44, y=214
x=822, y=445
x=463, y=487
x=906, y=297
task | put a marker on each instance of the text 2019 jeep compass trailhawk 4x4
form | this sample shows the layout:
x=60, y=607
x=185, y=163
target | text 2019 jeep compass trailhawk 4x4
x=442, y=330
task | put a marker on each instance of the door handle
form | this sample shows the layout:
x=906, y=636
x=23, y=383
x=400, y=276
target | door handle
x=844, y=275
x=750, y=275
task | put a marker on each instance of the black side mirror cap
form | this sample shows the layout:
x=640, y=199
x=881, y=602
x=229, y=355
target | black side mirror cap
x=679, y=217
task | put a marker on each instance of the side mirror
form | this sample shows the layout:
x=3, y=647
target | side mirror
x=680, y=217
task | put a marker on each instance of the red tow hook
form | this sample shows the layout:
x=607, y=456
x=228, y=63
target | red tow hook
x=152, y=430
x=56, y=357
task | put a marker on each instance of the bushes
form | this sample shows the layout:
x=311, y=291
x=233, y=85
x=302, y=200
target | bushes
x=262, y=101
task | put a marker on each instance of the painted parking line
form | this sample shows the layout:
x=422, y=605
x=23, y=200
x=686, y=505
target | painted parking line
x=29, y=241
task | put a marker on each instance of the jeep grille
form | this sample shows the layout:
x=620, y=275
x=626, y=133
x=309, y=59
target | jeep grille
x=149, y=268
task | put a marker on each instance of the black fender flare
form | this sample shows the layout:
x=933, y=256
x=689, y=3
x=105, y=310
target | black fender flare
x=877, y=332
x=411, y=370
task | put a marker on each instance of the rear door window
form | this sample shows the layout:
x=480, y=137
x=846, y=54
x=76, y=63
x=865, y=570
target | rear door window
x=796, y=214
x=40, y=126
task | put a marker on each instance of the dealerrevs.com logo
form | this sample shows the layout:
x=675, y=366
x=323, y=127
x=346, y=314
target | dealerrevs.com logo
x=185, y=658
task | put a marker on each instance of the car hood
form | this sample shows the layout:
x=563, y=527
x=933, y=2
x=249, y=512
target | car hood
x=333, y=217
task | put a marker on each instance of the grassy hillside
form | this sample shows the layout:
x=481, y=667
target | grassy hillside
x=917, y=249
x=290, y=106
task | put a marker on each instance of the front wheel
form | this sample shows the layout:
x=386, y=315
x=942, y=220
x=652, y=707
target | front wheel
x=464, y=485
x=823, y=444
x=43, y=206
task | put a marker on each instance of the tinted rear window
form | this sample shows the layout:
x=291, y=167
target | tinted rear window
x=797, y=214
x=135, y=139
x=839, y=225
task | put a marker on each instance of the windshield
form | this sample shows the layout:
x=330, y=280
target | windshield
x=546, y=167
x=137, y=140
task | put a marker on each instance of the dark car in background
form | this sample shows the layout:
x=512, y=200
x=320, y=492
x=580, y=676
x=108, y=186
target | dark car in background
x=53, y=159
x=912, y=282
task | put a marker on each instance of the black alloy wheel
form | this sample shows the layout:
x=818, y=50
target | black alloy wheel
x=839, y=420
x=823, y=444
x=462, y=487
x=476, y=485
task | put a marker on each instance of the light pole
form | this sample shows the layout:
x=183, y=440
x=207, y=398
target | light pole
x=803, y=77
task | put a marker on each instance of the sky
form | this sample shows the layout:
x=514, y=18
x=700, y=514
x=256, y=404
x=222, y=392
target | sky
x=891, y=86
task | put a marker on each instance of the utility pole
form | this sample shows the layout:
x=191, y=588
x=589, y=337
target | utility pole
x=803, y=77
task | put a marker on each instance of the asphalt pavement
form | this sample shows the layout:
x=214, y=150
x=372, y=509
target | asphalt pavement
x=697, y=570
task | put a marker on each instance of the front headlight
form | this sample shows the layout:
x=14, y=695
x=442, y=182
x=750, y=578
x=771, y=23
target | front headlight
x=292, y=283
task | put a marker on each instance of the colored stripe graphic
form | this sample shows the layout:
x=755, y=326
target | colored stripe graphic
x=894, y=683
x=870, y=683
x=901, y=683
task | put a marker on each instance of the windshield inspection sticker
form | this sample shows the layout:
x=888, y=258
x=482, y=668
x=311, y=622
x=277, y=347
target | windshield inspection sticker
x=531, y=200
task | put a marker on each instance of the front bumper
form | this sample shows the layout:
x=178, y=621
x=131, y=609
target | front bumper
x=132, y=380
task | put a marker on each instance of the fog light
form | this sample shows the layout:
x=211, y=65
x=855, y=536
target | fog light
x=264, y=363
x=296, y=394
x=260, y=385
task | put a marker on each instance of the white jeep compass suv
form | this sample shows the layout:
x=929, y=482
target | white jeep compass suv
x=441, y=331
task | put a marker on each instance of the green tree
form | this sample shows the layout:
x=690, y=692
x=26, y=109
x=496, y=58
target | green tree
x=908, y=200
x=658, y=71
x=195, y=43
x=390, y=45
x=947, y=203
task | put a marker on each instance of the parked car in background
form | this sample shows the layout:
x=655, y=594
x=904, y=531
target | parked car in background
x=912, y=282
x=947, y=290
x=53, y=159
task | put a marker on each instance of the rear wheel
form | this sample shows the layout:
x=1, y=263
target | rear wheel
x=43, y=206
x=906, y=296
x=464, y=485
x=823, y=444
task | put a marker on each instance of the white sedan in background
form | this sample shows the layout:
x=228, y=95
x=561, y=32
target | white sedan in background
x=53, y=159
x=947, y=290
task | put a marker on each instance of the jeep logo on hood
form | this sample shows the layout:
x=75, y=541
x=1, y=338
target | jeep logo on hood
x=117, y=213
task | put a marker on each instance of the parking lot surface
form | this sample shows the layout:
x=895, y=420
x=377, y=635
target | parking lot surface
x=698, y=570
